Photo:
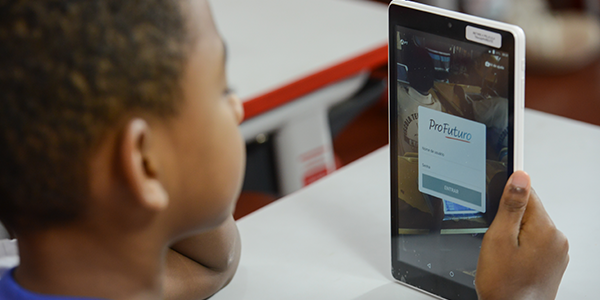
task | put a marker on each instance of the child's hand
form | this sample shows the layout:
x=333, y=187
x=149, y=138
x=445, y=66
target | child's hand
x=523, y=255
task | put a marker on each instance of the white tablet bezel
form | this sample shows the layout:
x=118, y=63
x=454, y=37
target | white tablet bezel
x=519, y=80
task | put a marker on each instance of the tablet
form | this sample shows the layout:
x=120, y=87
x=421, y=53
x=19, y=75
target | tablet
x=456, y=88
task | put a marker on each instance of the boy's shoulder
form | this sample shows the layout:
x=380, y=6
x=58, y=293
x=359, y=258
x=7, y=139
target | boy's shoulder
x=9, y=288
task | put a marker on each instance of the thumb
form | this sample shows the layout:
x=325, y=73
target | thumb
x=513, y=204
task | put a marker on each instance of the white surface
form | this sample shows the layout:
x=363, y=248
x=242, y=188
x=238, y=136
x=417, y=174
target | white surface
x=331, y=240
x=327, y=241
x=563, y=158
x=272, y=43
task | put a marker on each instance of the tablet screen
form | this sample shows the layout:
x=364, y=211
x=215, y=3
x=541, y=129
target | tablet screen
x=451, y=98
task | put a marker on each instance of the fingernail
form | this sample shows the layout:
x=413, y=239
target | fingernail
x=519, y=181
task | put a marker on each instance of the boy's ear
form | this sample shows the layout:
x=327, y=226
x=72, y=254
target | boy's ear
x=141, y=167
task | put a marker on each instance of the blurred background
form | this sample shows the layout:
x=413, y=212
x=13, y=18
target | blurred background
x=563, y=78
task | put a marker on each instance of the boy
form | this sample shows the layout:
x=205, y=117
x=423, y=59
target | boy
x=118, y=138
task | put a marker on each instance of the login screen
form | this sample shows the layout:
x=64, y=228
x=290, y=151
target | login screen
x=451, y=137
x=452, y=158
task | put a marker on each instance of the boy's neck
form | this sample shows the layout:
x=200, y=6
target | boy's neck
x=74, y=262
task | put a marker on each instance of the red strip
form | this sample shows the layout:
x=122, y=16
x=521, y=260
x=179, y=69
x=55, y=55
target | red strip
x=315, y=174
x=458, y=140
x=369, y=60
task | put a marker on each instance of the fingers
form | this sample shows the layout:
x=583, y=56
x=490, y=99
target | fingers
x=536, y=217
x=513, y=204
x=536, y=210
x=540, y=226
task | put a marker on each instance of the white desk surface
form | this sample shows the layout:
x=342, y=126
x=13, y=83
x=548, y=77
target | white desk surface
x=272, y=43
x=331, y=240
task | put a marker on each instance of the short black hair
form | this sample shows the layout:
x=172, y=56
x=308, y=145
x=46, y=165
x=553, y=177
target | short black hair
x=69, y=70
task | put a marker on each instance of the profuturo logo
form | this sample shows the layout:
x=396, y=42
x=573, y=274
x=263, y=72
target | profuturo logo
x=452, y=133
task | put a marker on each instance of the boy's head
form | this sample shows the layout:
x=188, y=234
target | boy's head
x=115, y=111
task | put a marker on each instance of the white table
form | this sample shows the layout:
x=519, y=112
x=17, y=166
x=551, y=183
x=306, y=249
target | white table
x=290, y=61
x=331, y=240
